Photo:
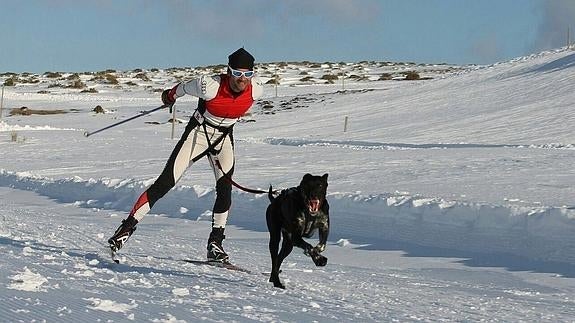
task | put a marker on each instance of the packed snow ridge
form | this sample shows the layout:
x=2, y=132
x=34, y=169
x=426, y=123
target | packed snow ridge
x=542, y=234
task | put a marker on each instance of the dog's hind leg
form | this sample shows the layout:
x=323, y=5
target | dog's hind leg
x=287, y=247
x=274, y=229
x=274, y=248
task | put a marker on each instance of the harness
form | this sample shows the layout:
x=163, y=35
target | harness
x=309, y=218
x=199, y=120
x=196, y=120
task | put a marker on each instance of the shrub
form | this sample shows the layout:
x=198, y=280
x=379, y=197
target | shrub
x=72, y=77
x=52, y=75
x=411, y=76
x=31, y=80
x=329, y=77
x=23, y=111
x=275, y=79
x=142, y=76
x=385, y=77
x=10, y=81
x=111, y=79
x=99, y=109
x=77, y=84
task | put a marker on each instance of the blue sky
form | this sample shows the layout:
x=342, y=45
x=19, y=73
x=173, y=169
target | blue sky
x=92, y=35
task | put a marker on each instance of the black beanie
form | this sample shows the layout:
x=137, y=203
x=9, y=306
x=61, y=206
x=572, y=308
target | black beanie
x=241, y=59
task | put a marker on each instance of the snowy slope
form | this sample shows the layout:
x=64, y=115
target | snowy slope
x=449, y=198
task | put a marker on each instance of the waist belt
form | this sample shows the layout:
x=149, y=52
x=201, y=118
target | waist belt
x=198, y=119
x=223, y=129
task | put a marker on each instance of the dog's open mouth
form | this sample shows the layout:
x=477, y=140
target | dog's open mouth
x=313, y=205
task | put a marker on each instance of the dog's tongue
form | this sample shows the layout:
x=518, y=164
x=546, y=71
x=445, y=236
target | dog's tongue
x=314, y=206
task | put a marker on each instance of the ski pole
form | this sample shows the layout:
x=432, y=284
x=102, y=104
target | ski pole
x=143, y=113
x=173, y=111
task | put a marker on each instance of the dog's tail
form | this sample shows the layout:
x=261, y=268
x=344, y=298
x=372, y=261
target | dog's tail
x=271, y=194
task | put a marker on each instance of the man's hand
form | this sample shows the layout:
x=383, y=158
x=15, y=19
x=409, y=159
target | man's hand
x=168, y=96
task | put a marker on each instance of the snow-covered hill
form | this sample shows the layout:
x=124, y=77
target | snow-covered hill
x=450, y=196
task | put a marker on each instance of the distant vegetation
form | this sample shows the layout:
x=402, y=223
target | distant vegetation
x=275, y=73
x=25, y=111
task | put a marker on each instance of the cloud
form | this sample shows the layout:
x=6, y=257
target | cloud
x=228, y=20
x=558, y=16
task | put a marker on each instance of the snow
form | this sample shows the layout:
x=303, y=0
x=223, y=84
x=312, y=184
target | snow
x=450, y=198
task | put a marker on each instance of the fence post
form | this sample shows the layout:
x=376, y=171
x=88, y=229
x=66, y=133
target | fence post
x=345, y=124
x=1, y=102
x=568, y=37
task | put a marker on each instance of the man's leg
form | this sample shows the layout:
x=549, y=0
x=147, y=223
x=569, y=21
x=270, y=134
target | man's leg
x=224, y=160
x=190, y=145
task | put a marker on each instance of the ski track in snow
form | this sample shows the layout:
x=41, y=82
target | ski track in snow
x=360, y=145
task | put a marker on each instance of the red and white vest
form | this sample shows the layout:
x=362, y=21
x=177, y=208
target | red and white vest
x=223, y=106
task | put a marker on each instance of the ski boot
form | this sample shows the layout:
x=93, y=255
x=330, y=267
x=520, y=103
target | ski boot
x=216, y=252
x=122, y=234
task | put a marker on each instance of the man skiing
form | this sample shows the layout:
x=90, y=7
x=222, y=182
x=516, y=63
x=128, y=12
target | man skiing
x=223, y=99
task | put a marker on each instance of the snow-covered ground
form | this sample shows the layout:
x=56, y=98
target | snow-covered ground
x=450, y=197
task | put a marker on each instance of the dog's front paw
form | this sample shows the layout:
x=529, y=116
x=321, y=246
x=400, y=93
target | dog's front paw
x=319, y=260
x=320, y=247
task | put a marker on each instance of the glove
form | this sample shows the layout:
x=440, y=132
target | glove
x=168, y=96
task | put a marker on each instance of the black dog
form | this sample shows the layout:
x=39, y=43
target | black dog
x=295, y=214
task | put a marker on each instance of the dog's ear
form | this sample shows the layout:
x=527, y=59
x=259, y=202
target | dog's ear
x=324, y=177
x=305, y=178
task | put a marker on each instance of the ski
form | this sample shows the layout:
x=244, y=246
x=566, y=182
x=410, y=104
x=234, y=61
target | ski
x=226, y=265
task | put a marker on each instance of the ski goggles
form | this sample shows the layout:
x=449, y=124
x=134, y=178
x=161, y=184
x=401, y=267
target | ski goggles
x=237, y=73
